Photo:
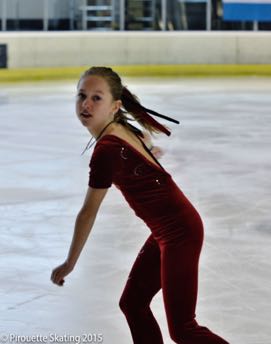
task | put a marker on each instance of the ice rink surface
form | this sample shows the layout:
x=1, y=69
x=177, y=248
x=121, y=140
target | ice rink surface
x=219, y=156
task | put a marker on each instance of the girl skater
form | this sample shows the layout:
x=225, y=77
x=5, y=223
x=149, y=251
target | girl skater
x=169, y=258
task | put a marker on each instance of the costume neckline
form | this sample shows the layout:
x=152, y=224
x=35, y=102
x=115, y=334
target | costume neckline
x=161, y=168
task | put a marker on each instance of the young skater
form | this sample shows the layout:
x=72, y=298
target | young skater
x=169, y=258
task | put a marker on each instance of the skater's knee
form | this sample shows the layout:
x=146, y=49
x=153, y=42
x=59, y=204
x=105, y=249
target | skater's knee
x=131, y=302
x=128, y=303
x=124, y=304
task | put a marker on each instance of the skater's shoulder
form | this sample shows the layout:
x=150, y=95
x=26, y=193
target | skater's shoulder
x=106, y=148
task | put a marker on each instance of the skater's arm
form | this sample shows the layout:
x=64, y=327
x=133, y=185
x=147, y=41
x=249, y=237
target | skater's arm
x=83, y=225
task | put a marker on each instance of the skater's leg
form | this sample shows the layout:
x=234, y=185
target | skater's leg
x=179, y=279
x=143, y=283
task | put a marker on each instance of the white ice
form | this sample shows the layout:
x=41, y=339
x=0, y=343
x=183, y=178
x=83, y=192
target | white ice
x=219, y=156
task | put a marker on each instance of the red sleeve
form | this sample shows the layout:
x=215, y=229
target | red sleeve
x=102, y=166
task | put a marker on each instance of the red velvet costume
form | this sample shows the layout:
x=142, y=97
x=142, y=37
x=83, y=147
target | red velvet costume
x=169, y=258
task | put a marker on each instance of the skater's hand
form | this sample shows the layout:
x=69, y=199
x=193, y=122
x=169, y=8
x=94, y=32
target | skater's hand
x=156, y=150
x=60, y=272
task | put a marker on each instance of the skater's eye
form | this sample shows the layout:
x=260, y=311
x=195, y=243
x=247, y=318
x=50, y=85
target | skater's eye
x=96, y=98
x=81, y=95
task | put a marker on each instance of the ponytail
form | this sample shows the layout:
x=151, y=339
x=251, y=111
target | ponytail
x=141, y=114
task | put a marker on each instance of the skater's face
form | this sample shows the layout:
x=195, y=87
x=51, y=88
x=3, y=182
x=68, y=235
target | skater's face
x=95, y=106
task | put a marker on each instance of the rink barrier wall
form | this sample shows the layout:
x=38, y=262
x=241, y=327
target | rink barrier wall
x=73, y=73
x=81, y=48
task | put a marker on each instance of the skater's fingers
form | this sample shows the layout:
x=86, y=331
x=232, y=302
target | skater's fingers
x=59, y=273
x=58, y=280
x=157, y=152
x=56, y=276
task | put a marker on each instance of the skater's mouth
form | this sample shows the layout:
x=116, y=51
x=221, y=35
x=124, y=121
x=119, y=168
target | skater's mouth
x=86, y=114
